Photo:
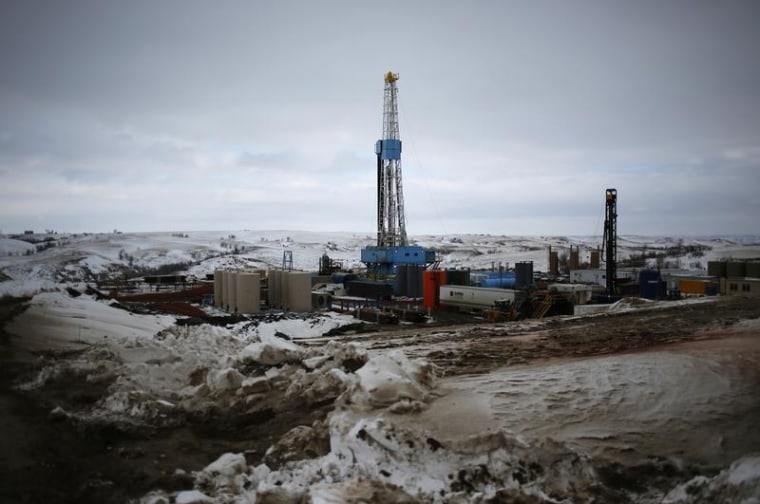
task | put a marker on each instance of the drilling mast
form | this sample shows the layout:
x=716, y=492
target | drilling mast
x=609, y=243
x=391, y=225
x=392, y=249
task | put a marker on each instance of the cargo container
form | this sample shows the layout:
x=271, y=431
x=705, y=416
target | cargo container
x=694, y=287
x=473, y=297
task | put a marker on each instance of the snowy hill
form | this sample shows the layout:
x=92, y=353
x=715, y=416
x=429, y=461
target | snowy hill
x=28, y=268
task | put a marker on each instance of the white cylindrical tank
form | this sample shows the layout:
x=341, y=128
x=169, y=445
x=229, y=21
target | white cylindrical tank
x=218, y=286
x=248, y=292
x=299, y=291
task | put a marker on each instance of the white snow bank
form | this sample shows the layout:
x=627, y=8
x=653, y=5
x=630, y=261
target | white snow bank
x=393, y=380
x=299, y=328
x=270, y=349
x=406, y=461
x=55, y=320
x=740, y=482
x=11, y=247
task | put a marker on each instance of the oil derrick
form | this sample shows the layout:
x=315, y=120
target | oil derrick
x=609, y=243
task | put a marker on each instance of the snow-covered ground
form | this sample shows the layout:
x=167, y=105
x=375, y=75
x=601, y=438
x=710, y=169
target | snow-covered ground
x=87, y=257
x=398, y=431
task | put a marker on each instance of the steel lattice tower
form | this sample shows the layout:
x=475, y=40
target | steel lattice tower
x=610, y=238
x=391, y=226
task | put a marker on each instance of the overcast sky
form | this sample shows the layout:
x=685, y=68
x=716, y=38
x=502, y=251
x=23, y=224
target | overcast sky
x=515, y=116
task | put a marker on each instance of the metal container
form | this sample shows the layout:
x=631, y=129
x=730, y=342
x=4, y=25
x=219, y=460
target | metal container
x=505, y=282
x=284, y=294
x=523, y=274
x=414, y=281
x=231, y=289
x=650, y=284
x=218, y=286
x=299, y=291
x=431, y=283
x=753, y=269
x=457, y=277
x=369, y=289
x=736, y=269
x=575, y=257
x=473, y=297
x=594, y=259
x=274, y=288
x=248, y=293
x=693, y=287
x=554, y=263
x=717, y=269
x=400, y=286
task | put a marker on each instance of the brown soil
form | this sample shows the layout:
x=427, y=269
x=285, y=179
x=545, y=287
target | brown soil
x=45, y=459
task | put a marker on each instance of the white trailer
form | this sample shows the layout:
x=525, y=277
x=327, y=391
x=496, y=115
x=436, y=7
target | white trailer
x=479, y=298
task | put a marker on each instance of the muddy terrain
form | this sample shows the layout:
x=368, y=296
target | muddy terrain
x=50, y=458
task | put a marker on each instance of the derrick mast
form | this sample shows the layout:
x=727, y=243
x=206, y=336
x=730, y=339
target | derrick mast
x=610, y=238
x=392, y=249
x=391, y=225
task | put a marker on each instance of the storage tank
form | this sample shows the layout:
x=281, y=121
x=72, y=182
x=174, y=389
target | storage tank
x=505, y=282
x=400, y=287
x=218, y=286
x=457, y=277
x=283, y=298
x=414, y=281
x=753, y=269
x=369, y=289
x=299, y=291
x=248, y=292
x=554, y=263
x=499, y=280
x=717, y=268
x=575, y=257
x=523, y=274
x=273, y=285
x=736, y=269
x=594, y=262
x=431, y=283
x=650, y=284
x=231, y=289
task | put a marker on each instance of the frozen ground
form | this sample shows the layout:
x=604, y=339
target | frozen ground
x=648, y=402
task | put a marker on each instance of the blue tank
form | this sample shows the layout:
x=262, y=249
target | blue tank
x=505, y=282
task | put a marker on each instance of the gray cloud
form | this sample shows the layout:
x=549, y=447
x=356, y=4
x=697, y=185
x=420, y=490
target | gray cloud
x=515, y=116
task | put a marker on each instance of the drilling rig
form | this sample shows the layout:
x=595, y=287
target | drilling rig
x=392, y=248
x=609, y=243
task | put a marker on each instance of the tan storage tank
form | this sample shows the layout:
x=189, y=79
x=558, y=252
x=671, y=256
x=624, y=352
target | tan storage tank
x=224, y=289
x=218, y=286
x=283, y=297
x=231, y=290
x=594, y=259
x=274, y=289
x=248, y=292
x=554, y=263
x=299, y=291
x=575, y=257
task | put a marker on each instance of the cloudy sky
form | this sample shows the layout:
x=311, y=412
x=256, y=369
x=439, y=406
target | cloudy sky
x=515, y=115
